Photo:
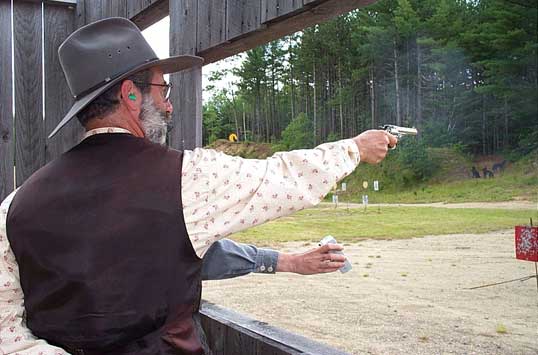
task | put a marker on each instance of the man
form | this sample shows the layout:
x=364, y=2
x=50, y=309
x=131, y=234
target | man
x=109, y=237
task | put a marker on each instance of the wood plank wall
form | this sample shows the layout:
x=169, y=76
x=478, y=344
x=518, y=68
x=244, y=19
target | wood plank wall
x=6, y=107
x=23, y=141
x=29, y=130
x=186, y=94
x=58, y=24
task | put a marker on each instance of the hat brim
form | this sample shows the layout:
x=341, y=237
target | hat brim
x=169, y=65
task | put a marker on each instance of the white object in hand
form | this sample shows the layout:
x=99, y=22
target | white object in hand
x=330, y=240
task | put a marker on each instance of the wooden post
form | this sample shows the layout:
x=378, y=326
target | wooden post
x=29, y=128
x=186, y=95
x=6, y=107
x=59, y=23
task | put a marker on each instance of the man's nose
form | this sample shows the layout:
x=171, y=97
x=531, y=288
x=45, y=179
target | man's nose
x=169, y=106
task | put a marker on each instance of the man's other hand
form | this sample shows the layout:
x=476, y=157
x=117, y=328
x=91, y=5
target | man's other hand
x=374, y=145
x=315, y=261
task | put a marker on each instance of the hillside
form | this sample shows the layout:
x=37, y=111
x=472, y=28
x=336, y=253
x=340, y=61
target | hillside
x=451, y=180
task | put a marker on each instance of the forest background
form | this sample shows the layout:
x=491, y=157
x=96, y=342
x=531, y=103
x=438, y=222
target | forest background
x=463, y=72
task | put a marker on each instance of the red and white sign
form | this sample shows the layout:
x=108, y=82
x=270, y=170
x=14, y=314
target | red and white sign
x=526, y=243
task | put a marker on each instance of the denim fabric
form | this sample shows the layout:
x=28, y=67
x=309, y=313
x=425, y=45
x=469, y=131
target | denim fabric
x=227, y=259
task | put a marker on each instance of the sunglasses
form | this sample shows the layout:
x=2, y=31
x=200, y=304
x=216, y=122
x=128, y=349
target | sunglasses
x=165, y=91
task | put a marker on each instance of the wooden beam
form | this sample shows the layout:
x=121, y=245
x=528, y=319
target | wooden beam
x=6, y=107
x=278, y=27
x=59, y=23
x=29, y=128
x=70, y=3
x=187, y=91
x=147, y=12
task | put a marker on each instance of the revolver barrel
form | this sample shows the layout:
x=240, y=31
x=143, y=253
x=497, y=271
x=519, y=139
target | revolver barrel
x=400, y=131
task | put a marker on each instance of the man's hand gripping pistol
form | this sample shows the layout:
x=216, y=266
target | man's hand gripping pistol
x=399, y=132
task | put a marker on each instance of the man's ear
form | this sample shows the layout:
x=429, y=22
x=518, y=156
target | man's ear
x=130, y=95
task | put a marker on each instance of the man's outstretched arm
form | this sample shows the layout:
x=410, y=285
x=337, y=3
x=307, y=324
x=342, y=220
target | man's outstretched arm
x=227, y=259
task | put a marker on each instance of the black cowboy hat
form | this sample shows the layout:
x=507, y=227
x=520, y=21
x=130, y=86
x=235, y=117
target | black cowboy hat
x=101, y=54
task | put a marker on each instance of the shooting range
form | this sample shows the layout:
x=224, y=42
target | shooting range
x=442, y=267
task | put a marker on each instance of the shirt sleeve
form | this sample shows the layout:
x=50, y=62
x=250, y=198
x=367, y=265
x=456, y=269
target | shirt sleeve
x=227, y=259
x=15, y=337
x=223, y=194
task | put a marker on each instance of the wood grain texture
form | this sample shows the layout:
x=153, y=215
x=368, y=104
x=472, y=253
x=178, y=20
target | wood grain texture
x=6, y=107
x=114, y=8
x=80, y=10
x=242, y=16
x=271, y=9
x=59, y=23
x=147, y=12
x=93, y=11
x=211, y=23
x=29, y=132
x=186, y=94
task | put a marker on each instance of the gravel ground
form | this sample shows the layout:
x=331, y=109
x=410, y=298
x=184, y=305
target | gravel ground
x=403, y=297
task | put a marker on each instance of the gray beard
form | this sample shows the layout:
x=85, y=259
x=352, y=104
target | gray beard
x=154, y=122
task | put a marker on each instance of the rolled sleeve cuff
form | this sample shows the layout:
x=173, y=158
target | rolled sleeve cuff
x=266, y=261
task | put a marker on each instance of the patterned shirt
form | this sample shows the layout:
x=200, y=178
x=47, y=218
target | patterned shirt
x=221, y=195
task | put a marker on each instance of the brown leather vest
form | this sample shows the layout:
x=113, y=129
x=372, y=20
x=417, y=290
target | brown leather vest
x=105, y=261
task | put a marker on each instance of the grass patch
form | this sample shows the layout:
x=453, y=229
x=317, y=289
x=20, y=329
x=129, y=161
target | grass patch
x=389, y=223
x=503, y=188
x=450, y=183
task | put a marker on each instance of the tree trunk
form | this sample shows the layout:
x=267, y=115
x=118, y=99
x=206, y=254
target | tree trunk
x=408, y=89
x=505, y=114
x=244, y=124
x=315, y=106
x=419, y=87
x=340, y=97
x=397, y=84
x=292, y=86
x=484, y=148
x=372, y=97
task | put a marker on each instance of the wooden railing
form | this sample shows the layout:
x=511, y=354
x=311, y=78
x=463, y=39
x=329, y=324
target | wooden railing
x=231, y=333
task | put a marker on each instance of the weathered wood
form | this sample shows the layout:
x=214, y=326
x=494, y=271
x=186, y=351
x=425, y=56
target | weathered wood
x=6, y=106
x=59, y=22
x=242, y=16
x=272, y=9
x=114, y=8
x=80, y=17
x=29, y=140
x=69, y=3
x=229, y=332
x=93, y=10
x=279, y=27
x=187, y=91
x=147, y=12
x=211, y=24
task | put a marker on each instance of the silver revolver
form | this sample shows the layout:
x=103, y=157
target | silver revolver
x=399, y=131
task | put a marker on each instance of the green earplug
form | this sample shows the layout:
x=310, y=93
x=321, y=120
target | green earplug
x=132, y=97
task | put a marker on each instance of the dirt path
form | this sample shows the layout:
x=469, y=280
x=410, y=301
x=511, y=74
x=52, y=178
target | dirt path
x=508, y=205
x=403, y=297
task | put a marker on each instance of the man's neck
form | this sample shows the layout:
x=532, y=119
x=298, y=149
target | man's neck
x=117, y=120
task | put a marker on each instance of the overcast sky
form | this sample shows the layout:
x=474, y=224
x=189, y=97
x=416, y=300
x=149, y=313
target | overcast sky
x=158, y=38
